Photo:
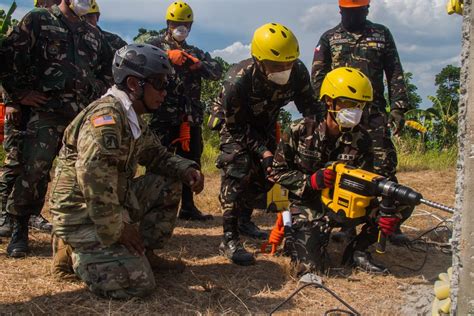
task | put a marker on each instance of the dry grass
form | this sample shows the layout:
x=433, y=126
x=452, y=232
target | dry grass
x=211, y=285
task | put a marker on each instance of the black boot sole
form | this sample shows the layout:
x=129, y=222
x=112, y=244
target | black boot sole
x=240, y=263
x=18, y=254
x=195, y=218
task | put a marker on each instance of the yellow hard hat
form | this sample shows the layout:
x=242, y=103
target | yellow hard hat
x=275, y=42
x=35, y=3
x=179, y=11
x=345, y=82
x=94, y=8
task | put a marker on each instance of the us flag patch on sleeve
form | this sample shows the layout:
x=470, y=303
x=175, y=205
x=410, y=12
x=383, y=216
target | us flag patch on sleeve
x=103, y=120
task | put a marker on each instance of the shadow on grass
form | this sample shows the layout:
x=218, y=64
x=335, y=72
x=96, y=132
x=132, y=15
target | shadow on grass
x=209, y=288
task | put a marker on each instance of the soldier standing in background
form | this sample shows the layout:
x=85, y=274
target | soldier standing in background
x=369, y=47
x=16, y=118
x=60, y=65
x=253, y=93
x=178, y=122
x=93, y=16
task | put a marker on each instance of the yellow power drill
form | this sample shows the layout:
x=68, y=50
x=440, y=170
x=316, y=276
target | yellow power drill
x=356, y=189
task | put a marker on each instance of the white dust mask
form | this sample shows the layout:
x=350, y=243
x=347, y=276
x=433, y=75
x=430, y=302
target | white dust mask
x=349, y=117
x=281, y=77
x=81, y=7
x=180, y=33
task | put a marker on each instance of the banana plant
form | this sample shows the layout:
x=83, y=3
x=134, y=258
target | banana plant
x=6, y=20
x=440, y=120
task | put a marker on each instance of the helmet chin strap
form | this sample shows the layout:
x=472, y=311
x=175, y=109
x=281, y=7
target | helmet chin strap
x=141, y=97
x=331, y=113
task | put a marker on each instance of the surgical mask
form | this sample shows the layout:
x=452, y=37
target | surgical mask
x=81, y=7
x=354, y=19
x=280, y=78
x=349, y=117
x=180, y=33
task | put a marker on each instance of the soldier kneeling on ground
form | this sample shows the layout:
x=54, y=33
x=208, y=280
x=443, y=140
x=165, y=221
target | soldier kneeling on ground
x=96, y=198
x=300, y=166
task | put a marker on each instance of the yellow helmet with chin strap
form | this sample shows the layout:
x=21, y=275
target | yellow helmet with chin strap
x=345, y=82
x=179, y=11
x=275, y=42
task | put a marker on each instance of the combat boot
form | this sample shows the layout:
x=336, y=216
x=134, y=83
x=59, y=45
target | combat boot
x=250, y=229
x=61, y=266
x=398, y=238
x=193, y=214
x=363, y=260
x=5, y=225
x=18, y=246
x=40, y=223
x=161, y=264
x=232, y=248
x=346, y=234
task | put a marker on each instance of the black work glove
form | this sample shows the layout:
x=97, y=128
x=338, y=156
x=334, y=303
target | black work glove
x=267, y=164
x=397, y=120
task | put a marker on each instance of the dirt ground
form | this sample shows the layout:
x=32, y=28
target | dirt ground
x=211, y=285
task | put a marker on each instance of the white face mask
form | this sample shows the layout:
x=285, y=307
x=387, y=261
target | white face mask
x=280, y=78
x=81, y=7
x=348, y=118
x=180, y=33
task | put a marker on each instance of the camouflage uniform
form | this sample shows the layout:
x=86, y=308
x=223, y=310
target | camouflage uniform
x=95, y=192
x=115, y=41
x=374, y=53
x=251, y=105
x=72, y=68
x=304, y=149
x=183, y=101
x=12, y=144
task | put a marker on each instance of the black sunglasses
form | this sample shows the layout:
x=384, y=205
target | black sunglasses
x=158, y=84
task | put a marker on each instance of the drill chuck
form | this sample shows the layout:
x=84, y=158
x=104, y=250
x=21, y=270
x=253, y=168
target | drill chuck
x=400, y=193
x=408, y=196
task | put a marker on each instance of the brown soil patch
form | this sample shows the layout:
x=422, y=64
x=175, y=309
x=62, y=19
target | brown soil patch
x=212, y=285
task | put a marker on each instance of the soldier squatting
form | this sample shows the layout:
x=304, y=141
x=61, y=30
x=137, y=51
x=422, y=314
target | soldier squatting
x=76, y=93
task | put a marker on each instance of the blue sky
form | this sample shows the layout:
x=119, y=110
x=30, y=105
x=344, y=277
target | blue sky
x=427, y=38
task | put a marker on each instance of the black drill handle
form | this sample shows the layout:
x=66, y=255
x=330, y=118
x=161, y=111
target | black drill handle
x=381, y=243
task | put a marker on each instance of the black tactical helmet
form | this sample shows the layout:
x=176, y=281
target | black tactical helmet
x=140, y=60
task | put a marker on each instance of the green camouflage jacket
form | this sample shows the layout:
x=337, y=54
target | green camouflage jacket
x=373, y=52
x=66, y=61
x=115, y=41
x=183, y=101
x=98, y=159
x=305, y=148
x=251, y=104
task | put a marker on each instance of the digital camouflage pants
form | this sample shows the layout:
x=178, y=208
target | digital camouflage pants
x=113, y=271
